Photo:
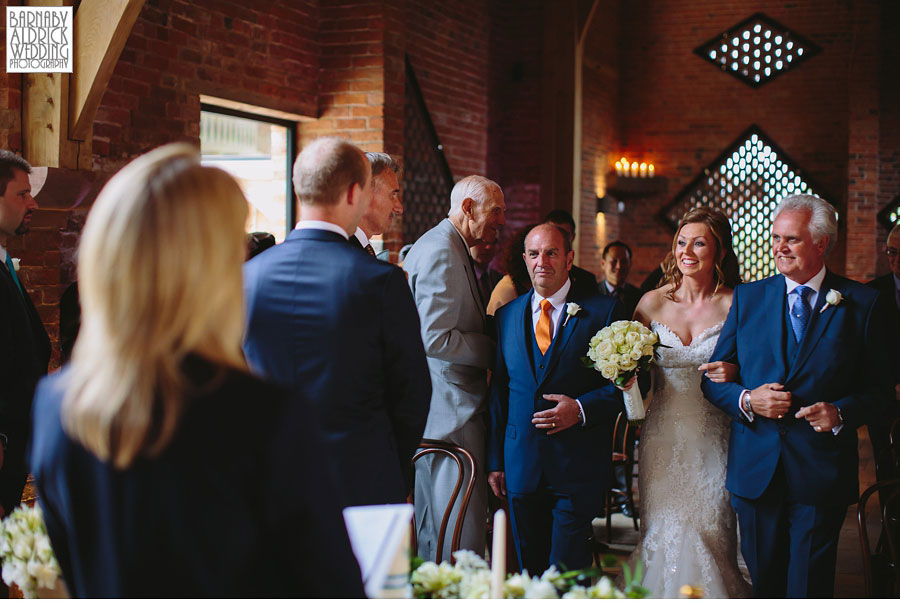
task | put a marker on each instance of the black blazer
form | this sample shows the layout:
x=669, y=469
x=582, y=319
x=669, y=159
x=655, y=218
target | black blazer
x=885, y=285
x=584, y=283
x=342, y=327
x=24, y=356
x=239, y=504
x=632, y=297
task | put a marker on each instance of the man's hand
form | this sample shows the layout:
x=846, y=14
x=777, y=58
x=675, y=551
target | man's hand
x=821, y=415
x=720, y=371
x=770, y=400
x=497, y=481
x=560, y=417
x=628, y=385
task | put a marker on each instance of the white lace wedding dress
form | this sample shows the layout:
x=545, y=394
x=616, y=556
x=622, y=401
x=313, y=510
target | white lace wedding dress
x=688, y=528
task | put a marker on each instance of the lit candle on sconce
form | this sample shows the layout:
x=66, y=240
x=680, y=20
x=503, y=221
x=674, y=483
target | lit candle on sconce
x=634, y=169
x=619, y=168
x=643, y=170
x=651, y=171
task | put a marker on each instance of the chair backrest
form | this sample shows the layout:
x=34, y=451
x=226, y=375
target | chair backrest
x=466, y=466
x=623, y=427
x=881, y=567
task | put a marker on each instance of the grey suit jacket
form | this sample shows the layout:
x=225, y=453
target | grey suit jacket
x=458, y=350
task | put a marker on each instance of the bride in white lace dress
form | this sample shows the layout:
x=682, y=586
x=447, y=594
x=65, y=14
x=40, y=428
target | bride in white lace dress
x=688, y=528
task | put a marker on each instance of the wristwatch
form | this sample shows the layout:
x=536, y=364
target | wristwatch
x=745, y=403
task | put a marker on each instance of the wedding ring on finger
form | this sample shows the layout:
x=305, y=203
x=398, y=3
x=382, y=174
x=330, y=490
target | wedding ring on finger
x=818, y=428
x=552, y=425
x=780, y=416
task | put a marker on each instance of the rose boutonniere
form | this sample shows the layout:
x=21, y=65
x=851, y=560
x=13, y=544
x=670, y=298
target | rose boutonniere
x=571, y=310
x=15, y=262
x=832, y=298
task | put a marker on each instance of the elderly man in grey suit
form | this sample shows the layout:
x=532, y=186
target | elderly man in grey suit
x=459, y=352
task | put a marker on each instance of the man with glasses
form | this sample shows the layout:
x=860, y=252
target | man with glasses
x=889, y=286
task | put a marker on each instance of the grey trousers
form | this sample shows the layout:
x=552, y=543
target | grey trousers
x=435, y=478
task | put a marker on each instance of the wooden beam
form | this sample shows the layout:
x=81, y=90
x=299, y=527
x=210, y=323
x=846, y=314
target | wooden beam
x=101, y=29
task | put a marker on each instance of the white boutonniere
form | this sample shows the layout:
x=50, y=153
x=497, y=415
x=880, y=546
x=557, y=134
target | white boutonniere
x=571, y=310
x=15, y=262
x=832, y=298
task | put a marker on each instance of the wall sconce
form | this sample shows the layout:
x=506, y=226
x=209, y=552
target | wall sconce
x=633, y=169
x=609, y=205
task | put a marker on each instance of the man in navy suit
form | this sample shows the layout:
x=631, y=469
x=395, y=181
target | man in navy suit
x=24, y=345
x=342, y=327
x=813, y=357
x=551, y=417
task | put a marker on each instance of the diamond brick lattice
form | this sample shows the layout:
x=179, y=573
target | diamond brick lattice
x=745, y=182
x=757, y=50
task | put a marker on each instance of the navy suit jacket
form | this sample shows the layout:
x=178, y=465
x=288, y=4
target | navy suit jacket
x=240, y=503
x=24, y=356
x=342, y=327
x=843, y=359
x=576, y=459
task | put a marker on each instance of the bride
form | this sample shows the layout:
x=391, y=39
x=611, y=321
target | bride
x=688, y=534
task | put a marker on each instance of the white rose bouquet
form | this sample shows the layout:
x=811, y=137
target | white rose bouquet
x=619, y=352
x=25, y=549
x=470, y=579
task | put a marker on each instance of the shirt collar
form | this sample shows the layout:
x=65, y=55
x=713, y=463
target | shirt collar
x=609, y=287
x=896, y=279
x=321, y=225
x=3, y=255
x=557, y=299
x=815, y=283
x=360, y=234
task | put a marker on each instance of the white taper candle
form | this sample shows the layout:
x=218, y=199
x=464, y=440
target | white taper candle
x=498, y=555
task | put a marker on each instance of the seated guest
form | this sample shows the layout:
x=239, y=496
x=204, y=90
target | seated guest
x=163, y=467
x=486, y=277
x=616, y=266
x=517, y=281
x=889, y=286
x=584, y=283
x=257, y=242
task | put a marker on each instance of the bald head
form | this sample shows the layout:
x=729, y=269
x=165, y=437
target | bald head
x=548, y=257
x=327, y=169
x=477, y=209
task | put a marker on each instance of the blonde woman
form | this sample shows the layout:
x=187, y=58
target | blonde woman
x=688, y=530
x=163, y=467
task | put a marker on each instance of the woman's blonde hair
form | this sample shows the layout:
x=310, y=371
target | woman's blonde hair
x=726, y=268
x=159, y=270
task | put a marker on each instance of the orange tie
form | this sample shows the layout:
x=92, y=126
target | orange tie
x=542, y=332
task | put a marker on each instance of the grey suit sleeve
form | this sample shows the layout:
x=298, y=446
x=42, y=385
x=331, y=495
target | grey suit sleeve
x=407, y=381
x=438, y=287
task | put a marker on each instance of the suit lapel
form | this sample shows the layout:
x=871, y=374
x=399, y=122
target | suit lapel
x=524, y=331
x=776, y=293
x=818, y=322
x=460, y=245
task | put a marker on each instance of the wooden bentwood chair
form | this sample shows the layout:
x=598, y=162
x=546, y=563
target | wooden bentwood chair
x=881, y=566
x=622, y=456
x=465, y=464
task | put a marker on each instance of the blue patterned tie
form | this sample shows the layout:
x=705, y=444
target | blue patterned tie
x=800, y=312
x=12, y=272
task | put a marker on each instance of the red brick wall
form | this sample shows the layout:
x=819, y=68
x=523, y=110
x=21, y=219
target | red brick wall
x=447, y=44
x=600, y=132
x=679, y=112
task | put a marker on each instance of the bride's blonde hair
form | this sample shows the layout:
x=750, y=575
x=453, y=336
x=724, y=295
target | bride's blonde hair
x=159, y=270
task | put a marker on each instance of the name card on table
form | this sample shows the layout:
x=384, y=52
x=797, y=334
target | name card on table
x=379, y=535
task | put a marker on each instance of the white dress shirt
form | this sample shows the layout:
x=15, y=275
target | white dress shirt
x=558, y=301
x=321, y=225
x=360, y=235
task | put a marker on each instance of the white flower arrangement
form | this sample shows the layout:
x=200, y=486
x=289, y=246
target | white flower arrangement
x=619, y=352
x=832, y=298
x=28, y=559
x=571, y=310
x=15, y=263
x=470, y=578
